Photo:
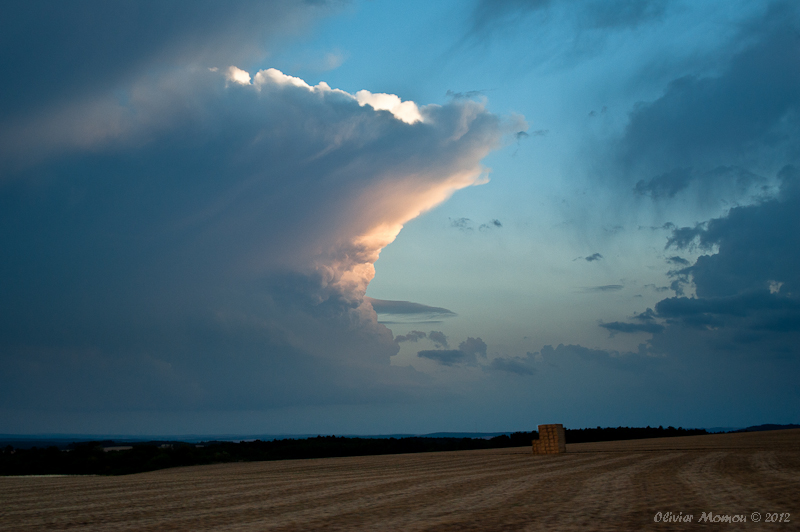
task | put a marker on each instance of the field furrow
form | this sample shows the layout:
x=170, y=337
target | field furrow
x=597, y=486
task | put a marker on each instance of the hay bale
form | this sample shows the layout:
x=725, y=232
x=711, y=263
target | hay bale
x=552, y=440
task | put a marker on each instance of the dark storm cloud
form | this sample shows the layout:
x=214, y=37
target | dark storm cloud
x=705, y=126
x=747, y=291
x=756, y=244
x=739, y=305
x=593, y=257
x=755, y=325
x=667, y=185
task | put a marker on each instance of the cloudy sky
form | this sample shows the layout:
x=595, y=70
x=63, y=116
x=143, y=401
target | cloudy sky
x=382, y=217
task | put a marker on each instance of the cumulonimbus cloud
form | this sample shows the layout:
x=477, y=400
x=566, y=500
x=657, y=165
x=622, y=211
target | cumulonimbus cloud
x=224, y=224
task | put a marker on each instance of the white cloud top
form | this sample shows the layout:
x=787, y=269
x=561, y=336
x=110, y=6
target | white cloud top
x=276, y=77
x=237, y=75
x=406, y=111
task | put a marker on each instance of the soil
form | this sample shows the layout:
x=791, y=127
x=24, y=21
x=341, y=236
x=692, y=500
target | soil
x=593, y=486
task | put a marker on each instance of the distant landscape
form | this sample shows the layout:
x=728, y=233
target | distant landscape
x=121, y=457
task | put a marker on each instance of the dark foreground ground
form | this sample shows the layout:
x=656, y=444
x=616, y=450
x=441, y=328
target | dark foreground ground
x=595, y=486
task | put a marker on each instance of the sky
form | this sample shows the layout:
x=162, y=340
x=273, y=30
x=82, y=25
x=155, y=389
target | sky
x=374, y=217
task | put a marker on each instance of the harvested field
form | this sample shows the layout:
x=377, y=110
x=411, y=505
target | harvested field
x=594, y=486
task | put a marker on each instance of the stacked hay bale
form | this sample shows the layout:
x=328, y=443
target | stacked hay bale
x=551, y=440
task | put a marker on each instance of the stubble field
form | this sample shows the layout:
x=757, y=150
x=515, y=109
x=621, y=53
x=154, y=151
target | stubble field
x=594, y=486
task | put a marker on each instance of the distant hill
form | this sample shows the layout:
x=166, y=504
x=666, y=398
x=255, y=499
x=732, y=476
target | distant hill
x=768, y=426
x=64, y=441
x=476, y=435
